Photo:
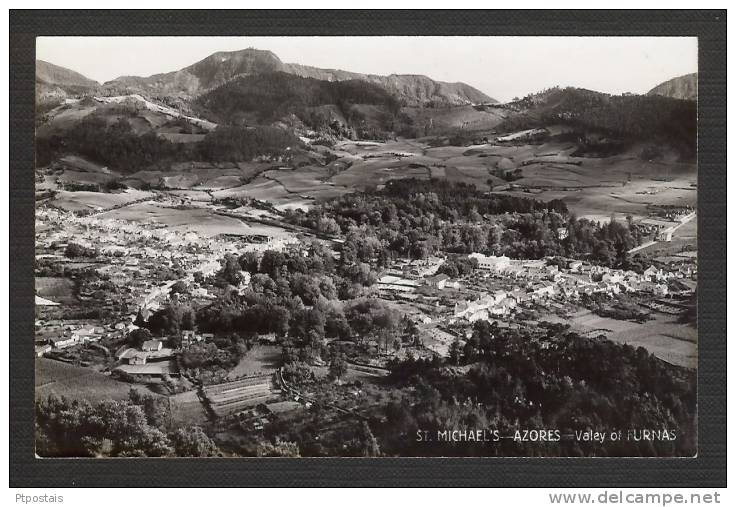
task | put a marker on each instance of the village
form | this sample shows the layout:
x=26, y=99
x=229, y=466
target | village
x=126, y=271
x=123, y=271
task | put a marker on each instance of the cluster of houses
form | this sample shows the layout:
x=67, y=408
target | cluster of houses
x=535, y=280
x=392, y=284
x=151, y=361
x=58, y=337
x=131, y=257
x=406, y=276
x=579, y=277
x=128, y=250
x=497, y=304
x=665, y=222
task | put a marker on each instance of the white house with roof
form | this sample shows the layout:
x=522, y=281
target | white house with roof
x=437, y=281
x=152, y=345
x=498, y=303
x=653, y=274
x=543, y=289
x=491, y=262
x=64, y=341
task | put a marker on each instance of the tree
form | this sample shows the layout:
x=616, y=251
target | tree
x=194, y=442
x=108, y=428
x=280, y=449
x=156, y=408
x=230, y=271
x=272, y=262
x=338, y=367
x=455, y=352
x=76, y=250
x=249, y=262
x=450, y=269
x=328, y=226
x=179, y=287
x=171, y=320
x=174, y=341
x=138, y=336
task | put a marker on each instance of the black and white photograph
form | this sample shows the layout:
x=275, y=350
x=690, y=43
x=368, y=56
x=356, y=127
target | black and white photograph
x=426, y=246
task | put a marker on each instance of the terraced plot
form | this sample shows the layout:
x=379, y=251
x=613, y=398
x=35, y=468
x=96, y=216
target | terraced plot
x=231, y=397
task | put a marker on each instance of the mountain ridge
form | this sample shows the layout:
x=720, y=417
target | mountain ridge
x=221, y=67
x=54, y=82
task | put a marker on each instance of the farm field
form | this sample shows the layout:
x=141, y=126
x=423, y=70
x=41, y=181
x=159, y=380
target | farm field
x=260, y=188
x=663, y=336
x=378, y=171
x=75, y=382
x=199, y=175
x=187, y=410
x=684, y=239
x=81, y=164
x=453, y=117
x=181, y=138
x=201, y=220
x=259, y=359
x=94, y=201
x=57, y=289
x=84, y=178
x=593, y=188
x=194, y=195
x=585, y=321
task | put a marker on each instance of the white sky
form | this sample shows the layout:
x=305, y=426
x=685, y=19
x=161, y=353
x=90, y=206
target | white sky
x=502, y=67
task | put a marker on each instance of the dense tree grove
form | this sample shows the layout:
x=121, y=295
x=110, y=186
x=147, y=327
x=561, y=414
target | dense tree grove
x=120, y=147
x=548, y=379
x=417, y=218
x=236, y=144
x=76, y=250
x=301, y=300
x=171, y=319
x=134, y=428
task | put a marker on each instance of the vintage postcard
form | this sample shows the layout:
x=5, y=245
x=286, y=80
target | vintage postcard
x=366, y=246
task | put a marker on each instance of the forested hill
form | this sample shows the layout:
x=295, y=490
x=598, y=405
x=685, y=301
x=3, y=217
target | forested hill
x=628, y=117
x=271, y=96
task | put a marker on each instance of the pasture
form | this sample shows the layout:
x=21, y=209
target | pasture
x=259, y=359
x=57, y=289
x=96, y=201
x=203, y=221
x=187, y=409
x=663, y=336
x=594, y=188
x=75, y=382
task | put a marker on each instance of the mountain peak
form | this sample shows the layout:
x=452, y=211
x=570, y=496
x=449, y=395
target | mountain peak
x=56, y=75
x=681, y=87
x=54, y=82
